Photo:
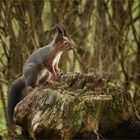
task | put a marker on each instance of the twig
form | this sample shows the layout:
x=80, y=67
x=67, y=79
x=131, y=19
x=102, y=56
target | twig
x=4, y=105
x=4, y=81
x=134, y=107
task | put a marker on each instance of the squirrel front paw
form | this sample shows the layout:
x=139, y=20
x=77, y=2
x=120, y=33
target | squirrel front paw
x=59, y=72
x=49, y=82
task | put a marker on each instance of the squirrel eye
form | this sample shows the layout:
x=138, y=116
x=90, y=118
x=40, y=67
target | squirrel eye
x=65, y=42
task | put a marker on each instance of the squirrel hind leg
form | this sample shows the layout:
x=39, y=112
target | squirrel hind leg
x=31, y=80
x=44, y=78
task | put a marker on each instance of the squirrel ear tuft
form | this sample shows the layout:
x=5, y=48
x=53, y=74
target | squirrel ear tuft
x=64, y=31
x=59, y=29
x=59, y=33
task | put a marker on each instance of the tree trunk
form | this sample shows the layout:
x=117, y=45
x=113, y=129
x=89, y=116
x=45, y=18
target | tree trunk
x=76, y=106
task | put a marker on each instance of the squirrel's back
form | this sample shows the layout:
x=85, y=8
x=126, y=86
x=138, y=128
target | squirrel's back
x=34, y=69
x=38, y=55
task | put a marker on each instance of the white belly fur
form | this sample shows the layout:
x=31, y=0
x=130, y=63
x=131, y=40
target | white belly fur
x=57, y=58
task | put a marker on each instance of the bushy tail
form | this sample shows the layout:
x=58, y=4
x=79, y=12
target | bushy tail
x=14, y=97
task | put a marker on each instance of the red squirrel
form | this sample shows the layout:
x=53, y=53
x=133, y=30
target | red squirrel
x=39, y=67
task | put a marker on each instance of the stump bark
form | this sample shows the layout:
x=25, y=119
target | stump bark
x=75, y=106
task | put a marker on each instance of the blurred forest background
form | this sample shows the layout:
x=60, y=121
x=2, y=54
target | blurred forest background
x=105, y=36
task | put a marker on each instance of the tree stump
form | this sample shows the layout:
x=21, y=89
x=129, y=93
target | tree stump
x=75, y=106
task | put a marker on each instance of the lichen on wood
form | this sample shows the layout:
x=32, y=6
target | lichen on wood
x=74, y=104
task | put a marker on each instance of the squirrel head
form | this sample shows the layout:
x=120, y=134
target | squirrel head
x=61, y=40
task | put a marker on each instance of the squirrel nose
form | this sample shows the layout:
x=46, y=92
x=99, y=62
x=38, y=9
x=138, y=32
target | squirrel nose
x=70, y=46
